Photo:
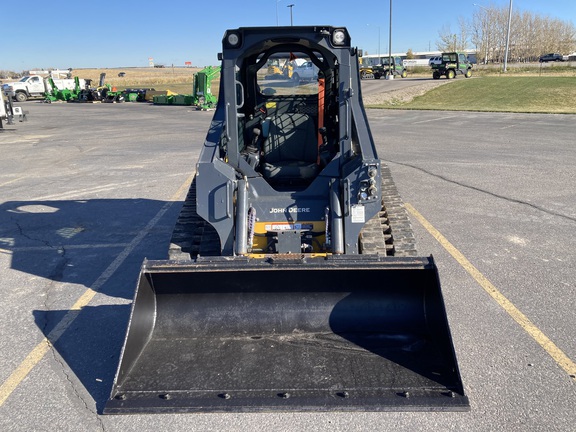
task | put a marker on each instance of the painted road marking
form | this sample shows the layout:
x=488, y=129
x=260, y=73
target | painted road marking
x=63, y=247
x=550, y=347
x=435, y=119
x=11, y=181
x=43, y=347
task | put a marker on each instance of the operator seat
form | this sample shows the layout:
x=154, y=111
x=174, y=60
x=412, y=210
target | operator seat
x=290, y=149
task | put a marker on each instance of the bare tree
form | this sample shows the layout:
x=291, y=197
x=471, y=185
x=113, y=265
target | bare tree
x=449, y=41
x=463, y=35
x=531, y=35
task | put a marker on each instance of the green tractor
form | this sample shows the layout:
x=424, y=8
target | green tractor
x=453, y=63
x=203, y=97
x=56, y=94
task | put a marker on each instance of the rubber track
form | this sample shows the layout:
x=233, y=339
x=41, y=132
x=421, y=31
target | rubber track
x=389, y=232
x=192, y=235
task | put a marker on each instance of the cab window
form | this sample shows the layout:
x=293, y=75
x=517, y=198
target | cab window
x=288, y=74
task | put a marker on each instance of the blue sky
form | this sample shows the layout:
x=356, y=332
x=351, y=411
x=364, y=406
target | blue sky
x=123, y=33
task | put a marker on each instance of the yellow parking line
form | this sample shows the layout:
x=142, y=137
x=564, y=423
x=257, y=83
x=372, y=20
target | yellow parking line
x=23, y=370
x=550, y=347
x=38, y=353
x=11, y=181
x=66, y=247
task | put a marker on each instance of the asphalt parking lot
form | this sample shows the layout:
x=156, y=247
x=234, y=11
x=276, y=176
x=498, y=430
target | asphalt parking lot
x=372, y=86
x=87, y=191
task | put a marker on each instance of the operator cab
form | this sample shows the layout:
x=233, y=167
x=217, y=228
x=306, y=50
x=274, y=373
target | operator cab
x=287, y=130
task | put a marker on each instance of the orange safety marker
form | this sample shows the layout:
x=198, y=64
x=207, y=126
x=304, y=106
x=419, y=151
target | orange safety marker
x=321, y=93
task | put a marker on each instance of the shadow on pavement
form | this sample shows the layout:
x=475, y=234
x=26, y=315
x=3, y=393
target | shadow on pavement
x=75, y=241
x=90, y=345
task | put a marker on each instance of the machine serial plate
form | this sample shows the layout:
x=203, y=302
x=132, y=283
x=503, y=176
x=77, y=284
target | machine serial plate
x=288, y=227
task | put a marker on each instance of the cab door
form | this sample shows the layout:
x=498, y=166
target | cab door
x=35, y=85
x=462, y=61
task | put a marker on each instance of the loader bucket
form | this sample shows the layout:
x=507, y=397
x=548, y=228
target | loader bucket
x=242, y=335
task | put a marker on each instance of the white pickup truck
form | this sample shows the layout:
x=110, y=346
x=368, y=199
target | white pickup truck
x=306, y=71
x=35, y=86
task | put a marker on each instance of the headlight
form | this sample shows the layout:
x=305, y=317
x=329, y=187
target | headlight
x=233, y=39
x=339, y=37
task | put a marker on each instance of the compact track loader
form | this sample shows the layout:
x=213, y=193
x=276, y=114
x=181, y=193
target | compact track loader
x=292, y=281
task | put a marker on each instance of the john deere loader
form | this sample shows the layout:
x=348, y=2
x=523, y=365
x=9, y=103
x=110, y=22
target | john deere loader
x=292, y=281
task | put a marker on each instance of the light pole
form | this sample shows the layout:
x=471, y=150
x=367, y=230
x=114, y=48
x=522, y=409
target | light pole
x=378, y=43
x=390, y=73
x=508, y=36
x=277, y=22
x=291, y=6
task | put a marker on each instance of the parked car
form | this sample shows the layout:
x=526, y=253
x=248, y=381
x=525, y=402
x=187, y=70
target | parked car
x=551, y=57
x=307, y=71
x=435, y=61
